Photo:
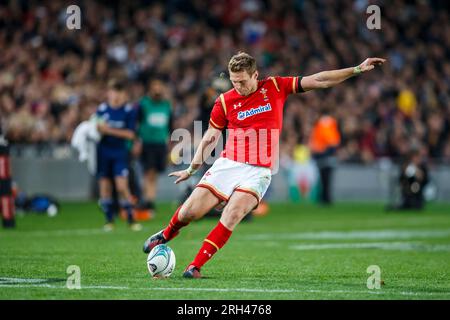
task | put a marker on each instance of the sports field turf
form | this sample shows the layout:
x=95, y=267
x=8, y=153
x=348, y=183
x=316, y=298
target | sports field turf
x=295, y=252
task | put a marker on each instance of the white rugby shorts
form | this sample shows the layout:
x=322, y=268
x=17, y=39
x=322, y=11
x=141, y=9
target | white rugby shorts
x=226, y=176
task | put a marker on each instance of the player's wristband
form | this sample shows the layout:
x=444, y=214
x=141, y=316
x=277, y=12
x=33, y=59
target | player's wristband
x=357, y=70
x=191, y=171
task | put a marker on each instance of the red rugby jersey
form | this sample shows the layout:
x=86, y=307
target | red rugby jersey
x=254, y=122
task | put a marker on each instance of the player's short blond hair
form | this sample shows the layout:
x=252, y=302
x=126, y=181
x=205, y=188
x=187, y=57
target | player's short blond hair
x=242, y=61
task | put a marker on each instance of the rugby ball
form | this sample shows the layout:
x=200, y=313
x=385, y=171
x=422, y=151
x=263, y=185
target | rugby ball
x=161, y=261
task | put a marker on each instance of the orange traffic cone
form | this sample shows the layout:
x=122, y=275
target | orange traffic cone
x=262, y=209
x=143, y=214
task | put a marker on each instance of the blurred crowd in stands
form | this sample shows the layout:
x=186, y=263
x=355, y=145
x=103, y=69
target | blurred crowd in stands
x=51, y=78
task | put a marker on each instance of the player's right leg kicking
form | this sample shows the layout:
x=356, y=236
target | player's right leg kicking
x=239, y=204
x=241, y=185
x=196, y=206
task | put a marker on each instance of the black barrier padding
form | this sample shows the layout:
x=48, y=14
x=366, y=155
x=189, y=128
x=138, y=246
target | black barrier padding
x=4, y=150
x=5, y=187
x=11, y=223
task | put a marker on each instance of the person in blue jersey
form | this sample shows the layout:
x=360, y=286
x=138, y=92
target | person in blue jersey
x=116, y=123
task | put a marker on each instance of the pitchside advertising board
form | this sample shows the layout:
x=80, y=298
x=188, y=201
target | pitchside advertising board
x=6, y=197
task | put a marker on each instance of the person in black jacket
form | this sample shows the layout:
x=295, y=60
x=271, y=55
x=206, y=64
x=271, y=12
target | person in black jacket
x=413, y=179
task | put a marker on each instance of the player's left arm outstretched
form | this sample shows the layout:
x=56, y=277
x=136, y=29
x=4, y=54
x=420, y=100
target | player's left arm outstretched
x=330, y=78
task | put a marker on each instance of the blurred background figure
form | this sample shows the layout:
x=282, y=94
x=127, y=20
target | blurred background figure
x=154, y=128
x=412, y=180
x=302, y=174
x=217, y=86
x=7, y=209
x=116, y=122
x=323, y=142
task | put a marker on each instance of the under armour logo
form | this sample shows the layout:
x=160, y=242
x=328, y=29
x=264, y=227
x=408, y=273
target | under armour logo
x=237, y=105
x=206, y=252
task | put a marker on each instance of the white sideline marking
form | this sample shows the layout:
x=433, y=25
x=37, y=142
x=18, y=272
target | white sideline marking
x=357, y=234
x=4, y=280
x=320, y=235
x=404, y=246
x=46, y=233
x=404, y=293
x=41, y=285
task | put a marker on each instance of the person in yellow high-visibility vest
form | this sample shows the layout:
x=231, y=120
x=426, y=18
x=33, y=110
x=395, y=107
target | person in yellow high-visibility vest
x=323, y=141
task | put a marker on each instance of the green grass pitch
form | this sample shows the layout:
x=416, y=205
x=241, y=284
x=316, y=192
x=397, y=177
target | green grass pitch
x=297, y=251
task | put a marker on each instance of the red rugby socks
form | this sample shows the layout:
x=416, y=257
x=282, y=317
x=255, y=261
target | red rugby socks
x=174, y=226
x=215, y=240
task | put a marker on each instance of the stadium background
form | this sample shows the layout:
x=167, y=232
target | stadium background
x=52, y=78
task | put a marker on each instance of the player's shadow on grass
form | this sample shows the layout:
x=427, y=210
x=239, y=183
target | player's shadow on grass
x=202, y=278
